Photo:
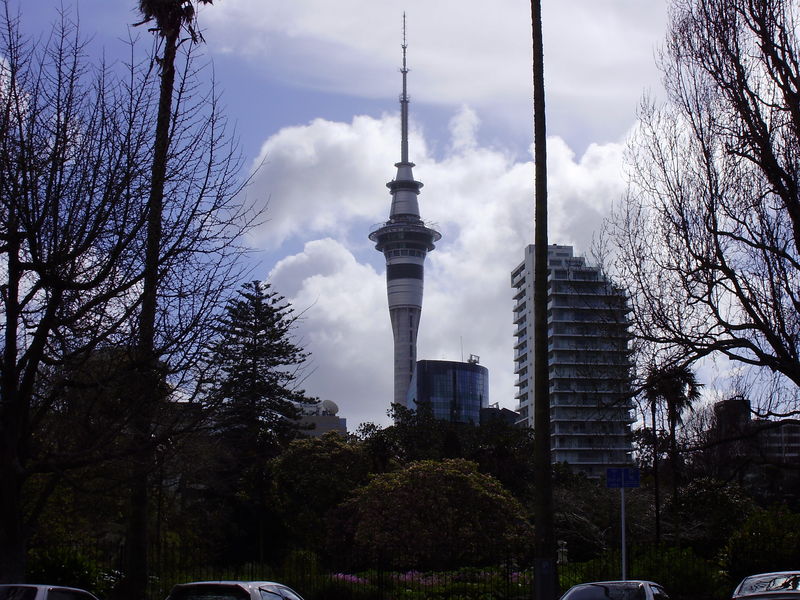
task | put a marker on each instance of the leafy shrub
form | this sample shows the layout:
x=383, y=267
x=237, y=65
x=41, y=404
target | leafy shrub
x=682, y=573
x=768, y=541
x=343, y=589
x=431, y=515
x=69, y=567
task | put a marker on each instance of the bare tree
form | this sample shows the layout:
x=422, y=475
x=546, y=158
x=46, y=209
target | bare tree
x=75, y=155
x=71, y=150
x=708, y=234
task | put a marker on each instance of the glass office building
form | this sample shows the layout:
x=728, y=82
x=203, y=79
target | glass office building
x=455, y=391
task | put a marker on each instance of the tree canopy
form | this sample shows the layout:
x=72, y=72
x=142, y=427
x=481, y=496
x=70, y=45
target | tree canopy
x=311, y=478
x=429, y=515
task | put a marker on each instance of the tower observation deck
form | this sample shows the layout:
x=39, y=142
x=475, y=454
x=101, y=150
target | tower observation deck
x=405, y=241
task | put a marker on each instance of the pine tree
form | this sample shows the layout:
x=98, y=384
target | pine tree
x=261, y=368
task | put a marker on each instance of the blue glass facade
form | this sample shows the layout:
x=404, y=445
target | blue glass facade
x=455, y=391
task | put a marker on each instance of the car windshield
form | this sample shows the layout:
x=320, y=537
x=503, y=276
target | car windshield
x=770, y=582
x=209, y=591
x=17, y=592
x=607, y=591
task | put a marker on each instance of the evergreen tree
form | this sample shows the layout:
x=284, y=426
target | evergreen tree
x=262, y=368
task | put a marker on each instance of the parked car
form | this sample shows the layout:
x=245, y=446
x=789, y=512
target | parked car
x=232, y=590
x=780, y=585
x=25, y=591
x=616, y=590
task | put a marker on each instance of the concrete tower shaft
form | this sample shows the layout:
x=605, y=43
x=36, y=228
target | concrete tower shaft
x=405, y=241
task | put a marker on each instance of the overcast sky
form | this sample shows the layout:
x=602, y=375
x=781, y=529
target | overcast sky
x=313, y=87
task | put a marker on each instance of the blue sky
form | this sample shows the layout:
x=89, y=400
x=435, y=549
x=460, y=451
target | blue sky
x=313, y=89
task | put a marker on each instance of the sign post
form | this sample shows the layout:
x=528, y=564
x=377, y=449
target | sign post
x=622, y=477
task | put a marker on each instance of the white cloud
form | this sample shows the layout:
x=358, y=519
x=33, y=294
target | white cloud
x=317, y=178
x=463, y=129
x=345, y=324
x=599, y=54
x=327, y=183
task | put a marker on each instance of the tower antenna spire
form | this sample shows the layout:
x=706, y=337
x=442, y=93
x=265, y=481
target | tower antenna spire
x=404, y=102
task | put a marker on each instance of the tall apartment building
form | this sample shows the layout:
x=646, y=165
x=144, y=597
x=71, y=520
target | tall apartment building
x=590, y=404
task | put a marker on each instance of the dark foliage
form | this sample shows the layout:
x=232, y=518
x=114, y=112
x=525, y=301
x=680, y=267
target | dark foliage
x=261, y=368
x=430, y=515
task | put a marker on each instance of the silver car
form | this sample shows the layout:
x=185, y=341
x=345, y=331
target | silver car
x=25, y=591
x=616, y=590
x=233, y=590
x=780, y=585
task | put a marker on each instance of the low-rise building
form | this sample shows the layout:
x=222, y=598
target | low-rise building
x=455, y=391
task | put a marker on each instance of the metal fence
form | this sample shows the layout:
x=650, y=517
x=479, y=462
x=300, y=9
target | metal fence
x=680, y=571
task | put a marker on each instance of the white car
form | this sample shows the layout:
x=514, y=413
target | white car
x=25, y=591
x=633, y=589
x=232, y=590
x=779, y=585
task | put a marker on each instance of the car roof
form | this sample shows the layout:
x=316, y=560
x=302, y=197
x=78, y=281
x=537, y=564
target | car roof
x=766, y=575
x=247, y=585
x=45, y=586
x=616, y=581
x=230, y=582
x=770, y=574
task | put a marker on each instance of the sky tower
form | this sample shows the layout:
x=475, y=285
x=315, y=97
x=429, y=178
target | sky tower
x=405, y=240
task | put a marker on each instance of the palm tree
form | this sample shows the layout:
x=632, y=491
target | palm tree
x=677, y=389
x=168, y=19
x=545, y=543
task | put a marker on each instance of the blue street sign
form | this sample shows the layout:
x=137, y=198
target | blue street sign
x=630, y=478
x=622, y=477
x=613, y=477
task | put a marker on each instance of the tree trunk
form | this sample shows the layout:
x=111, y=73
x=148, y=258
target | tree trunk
x=12, y=540
x=137, y=545
x=673, y=459
x=545, y=544
x=656, y=491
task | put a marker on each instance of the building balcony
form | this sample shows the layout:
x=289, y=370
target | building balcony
x=590, y=449
x=586, y=414
x=573, y=402
x=599, y=462
x=562, y=332
x=588, y=434
x=591, y=317
x=583, y=364
x=588, y=374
